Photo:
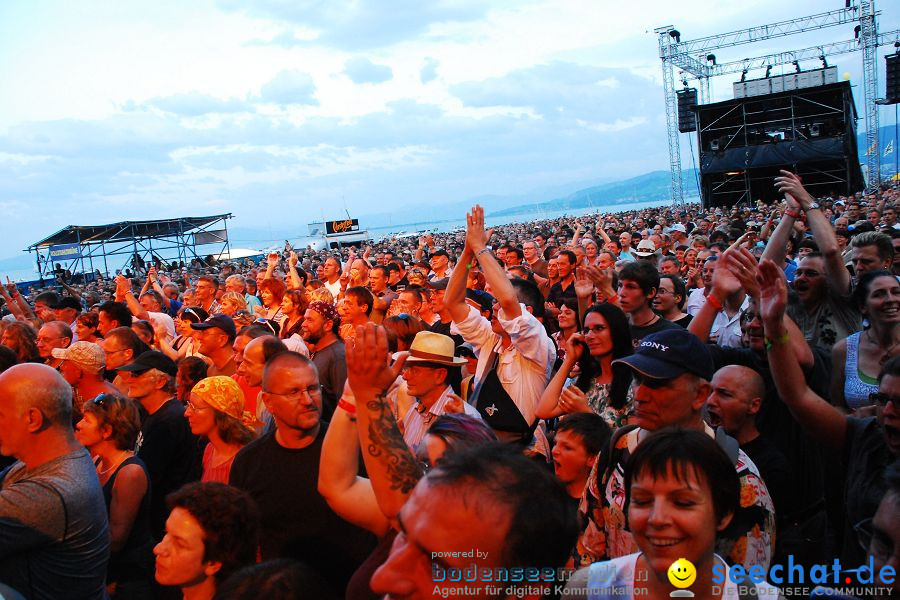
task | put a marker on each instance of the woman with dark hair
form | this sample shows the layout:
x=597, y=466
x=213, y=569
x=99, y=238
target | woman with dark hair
x=86, y=327
x=191, y=370
x=109, y=430
x=669, y=300
x=600, y=387
x=568, y=322
x=858, y=358
x=216, y=411
x=185, y=343
x=21, y=338
x=293, y=306
x=681, y=490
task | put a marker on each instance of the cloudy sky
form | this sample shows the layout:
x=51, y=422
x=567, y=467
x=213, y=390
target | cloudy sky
x=285, y=111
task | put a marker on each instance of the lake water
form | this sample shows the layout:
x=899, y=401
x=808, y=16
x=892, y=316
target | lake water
x=21, y=268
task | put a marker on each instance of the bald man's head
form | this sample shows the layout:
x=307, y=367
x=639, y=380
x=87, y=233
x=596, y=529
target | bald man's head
x=35, y=388
x=736, y=396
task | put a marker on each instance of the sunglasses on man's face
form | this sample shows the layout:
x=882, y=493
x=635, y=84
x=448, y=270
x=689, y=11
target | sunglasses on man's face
x=882, y=399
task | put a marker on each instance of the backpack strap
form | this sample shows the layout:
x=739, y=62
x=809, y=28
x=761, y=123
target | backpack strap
x=606, y=457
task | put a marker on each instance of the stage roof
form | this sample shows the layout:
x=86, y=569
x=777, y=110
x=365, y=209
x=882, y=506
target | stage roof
x=126, y=230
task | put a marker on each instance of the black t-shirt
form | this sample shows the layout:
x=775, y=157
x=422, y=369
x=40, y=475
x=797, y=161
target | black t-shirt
x=775, y=421
x=332, y=368
x=444, y=329
x=866, y=456
x=557, y=292
x=684, y=321
x=296, y=521
x=776, y=473
x=639, y=333
x=172, y=456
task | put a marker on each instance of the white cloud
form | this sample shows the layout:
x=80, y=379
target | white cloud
x=363, y=70
x=290, y=87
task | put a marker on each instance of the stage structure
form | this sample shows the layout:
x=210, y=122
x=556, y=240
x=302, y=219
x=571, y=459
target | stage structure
x=88, y=248
x=695, y=61
x=744, y=142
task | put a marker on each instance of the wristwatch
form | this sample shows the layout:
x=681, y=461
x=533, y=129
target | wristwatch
x=813, y=206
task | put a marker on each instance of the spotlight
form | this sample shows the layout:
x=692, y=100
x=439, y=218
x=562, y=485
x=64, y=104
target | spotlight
x=824, y=62
x=676, y=35
x=768, y=71
x=744, y=75
x=856, y=31
x=711, y=58
x=796, y=65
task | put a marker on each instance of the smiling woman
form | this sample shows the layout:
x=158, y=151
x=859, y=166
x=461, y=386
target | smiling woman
x=675, y=513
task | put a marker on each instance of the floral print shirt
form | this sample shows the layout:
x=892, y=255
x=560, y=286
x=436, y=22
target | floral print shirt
x=748, y=540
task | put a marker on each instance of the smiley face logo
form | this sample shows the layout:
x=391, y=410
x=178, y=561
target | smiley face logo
x=682, y=573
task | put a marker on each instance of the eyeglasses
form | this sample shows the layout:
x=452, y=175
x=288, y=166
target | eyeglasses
x=874, y=542
x=312, y=391
x=649, y=382
x=191, y=312
x=882, y=399
x=596, y=329
x=196, y=408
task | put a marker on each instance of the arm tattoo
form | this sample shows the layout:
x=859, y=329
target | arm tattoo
x=387, y=445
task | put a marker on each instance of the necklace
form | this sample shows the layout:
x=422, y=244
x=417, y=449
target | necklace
x=114, y=464
x=650, y=321
x=886, y=354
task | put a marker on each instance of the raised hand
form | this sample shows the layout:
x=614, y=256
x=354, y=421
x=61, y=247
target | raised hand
x=584, y=287
x=273, y=259
x=476, y=236
x=575, y=346
x=368, y=370
x=573, y=400
x=123, y=285
x=292, y=259
x=744, y=267
x=790, y=185
x=772, y=294
x=724, y=281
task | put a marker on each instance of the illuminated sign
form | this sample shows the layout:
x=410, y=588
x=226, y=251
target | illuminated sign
x=345, y=226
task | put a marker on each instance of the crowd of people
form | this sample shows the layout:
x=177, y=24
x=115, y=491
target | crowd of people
x=555, y=409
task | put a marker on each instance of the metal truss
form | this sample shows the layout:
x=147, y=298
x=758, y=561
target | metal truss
x=767, y=32
x=788, y=57
x=690, y=58
x=665, y=41
x=868, y=37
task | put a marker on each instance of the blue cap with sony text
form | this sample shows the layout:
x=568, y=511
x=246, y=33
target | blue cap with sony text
x=669, y=353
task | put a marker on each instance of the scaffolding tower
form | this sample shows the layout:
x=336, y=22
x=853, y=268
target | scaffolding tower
x=695, y=61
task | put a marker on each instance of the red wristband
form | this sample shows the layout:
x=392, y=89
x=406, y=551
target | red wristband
x=347, y=406
x=714, y=302
x=613, y=299
x=792, y=213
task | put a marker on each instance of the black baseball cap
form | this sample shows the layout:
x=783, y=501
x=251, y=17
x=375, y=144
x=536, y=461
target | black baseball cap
x=223, y=322
x=151, y=359
x=669, y=353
